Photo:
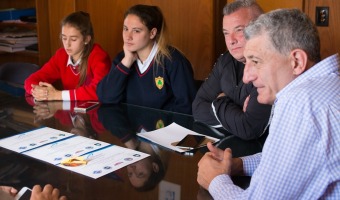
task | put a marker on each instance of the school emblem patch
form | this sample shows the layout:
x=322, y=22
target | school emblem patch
x=159, y=124
x=159, y=82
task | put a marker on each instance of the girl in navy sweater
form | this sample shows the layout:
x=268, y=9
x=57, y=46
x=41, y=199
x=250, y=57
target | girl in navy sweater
x=148, y=72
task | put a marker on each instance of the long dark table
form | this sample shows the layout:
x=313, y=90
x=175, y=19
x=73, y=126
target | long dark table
x=173, y=174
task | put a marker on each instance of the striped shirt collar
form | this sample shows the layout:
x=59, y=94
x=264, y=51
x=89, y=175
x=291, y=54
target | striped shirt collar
x=328, y=65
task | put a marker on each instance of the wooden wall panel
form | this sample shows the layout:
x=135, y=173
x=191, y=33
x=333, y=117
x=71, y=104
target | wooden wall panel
x=19, y=4
x=330, y=40
x=42, y=31
x=191, y=30
x=268, y=5
x=57, y=10
x=194, y=25
x=329, y=36
x=107, y=20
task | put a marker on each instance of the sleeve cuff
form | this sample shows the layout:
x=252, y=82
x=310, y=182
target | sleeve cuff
x=65, y=95
x=222, y=186
x=122, y=68
x=66, y=105
x=250, y=163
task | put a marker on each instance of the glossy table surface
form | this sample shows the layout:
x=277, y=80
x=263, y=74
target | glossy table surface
x=173, y=175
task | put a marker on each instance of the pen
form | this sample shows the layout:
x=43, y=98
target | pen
x=186, y=148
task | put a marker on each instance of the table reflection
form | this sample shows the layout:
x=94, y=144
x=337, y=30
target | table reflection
x=165, y=174
x=83, y=124
x=124, y=122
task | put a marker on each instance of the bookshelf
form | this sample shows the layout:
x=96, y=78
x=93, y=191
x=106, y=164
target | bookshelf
x=41, y=27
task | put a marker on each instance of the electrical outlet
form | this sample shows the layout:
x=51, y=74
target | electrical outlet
x=322, y=16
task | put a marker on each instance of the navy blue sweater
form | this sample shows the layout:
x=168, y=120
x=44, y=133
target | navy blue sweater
x=176, y=89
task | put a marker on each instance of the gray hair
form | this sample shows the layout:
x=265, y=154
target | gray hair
x=287, y=29
x=238, y=4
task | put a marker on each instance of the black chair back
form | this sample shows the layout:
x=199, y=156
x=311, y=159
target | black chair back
x=13, y=76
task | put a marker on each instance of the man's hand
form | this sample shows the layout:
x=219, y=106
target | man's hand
x=213, y=164
x=9, y=190
x=215, y=152
x=48, y=193
x=221, y=95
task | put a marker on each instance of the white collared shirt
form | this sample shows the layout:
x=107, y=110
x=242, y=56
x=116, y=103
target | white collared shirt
x=144, y=66
x=70, y=62
x=65, y=94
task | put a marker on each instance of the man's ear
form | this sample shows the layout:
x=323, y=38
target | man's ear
x=299, y=60
x=153, y=33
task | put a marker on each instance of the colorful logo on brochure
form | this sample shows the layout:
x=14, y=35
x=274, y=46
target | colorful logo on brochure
x=74, y=162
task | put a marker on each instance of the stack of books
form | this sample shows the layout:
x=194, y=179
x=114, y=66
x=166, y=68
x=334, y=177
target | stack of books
x=14, y=14
x=14, y=41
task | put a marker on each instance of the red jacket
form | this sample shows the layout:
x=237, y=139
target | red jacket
x=99, y=64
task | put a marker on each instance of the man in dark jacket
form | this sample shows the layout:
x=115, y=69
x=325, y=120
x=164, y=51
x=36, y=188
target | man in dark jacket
x=224, y=100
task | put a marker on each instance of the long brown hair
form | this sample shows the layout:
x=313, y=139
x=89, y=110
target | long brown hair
x=82, y=22
x=152, y=17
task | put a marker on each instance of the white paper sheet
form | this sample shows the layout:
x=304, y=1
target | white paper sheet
x=54, y=146
x=33, y=139
x=170, y=134
x=57, y=151
x=107, y=160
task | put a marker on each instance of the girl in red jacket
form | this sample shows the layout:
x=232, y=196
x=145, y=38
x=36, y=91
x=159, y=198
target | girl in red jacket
x=80, y=65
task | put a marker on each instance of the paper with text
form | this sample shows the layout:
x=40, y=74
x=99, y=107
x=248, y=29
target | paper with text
x=33, y=139
x=55, y=146
x=107, y=160
x=170, y=134
x=57, y=151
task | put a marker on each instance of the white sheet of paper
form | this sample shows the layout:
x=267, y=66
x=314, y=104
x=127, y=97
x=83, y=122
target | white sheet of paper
x=169, y=134
x=57, y=151
x=53, y=146
x=106, y=161
x=33, y=139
